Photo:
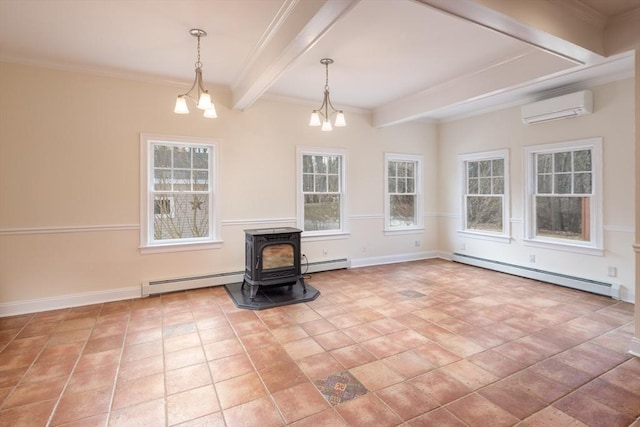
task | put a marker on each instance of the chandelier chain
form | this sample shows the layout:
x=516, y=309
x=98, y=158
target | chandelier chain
x=198, y=63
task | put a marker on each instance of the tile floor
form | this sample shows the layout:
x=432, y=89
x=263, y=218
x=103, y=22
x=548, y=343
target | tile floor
x=427, y=343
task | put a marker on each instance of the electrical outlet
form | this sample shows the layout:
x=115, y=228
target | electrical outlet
x=532, y=258
x=417, y=243
x=613, y=272
x=325, y=252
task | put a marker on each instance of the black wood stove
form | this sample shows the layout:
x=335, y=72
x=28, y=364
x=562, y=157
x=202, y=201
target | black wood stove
x=272, y=258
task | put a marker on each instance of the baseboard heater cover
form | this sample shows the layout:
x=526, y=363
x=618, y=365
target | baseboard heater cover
x=574, y=282
x=205, y=281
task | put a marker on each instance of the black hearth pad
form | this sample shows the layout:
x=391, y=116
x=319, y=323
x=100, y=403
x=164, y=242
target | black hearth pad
x=270, y=296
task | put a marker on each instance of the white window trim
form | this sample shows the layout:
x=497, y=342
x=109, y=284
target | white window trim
x=323, y=151
x=147, y=206
x=505, y=235
x=419, y=226
x=596, y=246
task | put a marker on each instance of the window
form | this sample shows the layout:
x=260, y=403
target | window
x=563, y=198
x=321, y=194
x=485, y=194
x=403, y=192
x=178, y=193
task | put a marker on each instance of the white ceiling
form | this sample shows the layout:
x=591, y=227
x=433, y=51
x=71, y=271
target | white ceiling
x=399, y=59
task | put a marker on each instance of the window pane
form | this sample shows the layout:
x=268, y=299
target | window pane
x=562, y=217
x=320, y=165
x=562, y=162
x=582, y=161
x=201, y=158
x=498, y=167
x=498, y=186
x=162, y=179
x=334, y=183
x=562, y=183
x=472, y=169
x=582, y=183
x=334, y=164
x=393, y=169
x=411, y=169
x=321, y=212
x=307, y=182
x=181, y=157
x=484, y=213
x=473, y=186
x=544, y=184
x=307, y=164
x=321, y=184
x=393, y=185
x=544, y=163
x=402, y=169
x=484, y=185
x=201, y=180
x=188, y=218
x=162, y=206
x=402, y=185
x=181, y=180
x=485, y=168
x=411, y=187
x=403, y=210
x=161, y=156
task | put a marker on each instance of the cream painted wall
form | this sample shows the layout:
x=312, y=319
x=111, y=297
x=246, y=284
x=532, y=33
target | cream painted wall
x=614, y=121
x=70, y=178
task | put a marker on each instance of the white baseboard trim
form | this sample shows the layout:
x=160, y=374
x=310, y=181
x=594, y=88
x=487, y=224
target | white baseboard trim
x=186, y=283
x=392, y=259
x=635, y=347
x=593, y=286
x=67, y=301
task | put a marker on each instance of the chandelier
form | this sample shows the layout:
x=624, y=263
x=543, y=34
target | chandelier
x=200, y=97
x=323, y=112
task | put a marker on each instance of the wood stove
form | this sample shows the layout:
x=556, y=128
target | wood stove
x=272, y=258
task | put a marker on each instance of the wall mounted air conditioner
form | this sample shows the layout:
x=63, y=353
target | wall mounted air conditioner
x=561, y=107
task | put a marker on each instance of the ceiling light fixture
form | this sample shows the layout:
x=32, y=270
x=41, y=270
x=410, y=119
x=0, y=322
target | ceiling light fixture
x=323, y=111
x=202, y=97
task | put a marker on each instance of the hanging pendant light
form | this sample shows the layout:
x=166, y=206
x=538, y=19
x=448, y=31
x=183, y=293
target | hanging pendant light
x=201, y=96
x=322, y=116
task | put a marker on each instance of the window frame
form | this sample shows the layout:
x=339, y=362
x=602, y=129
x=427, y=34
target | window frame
x=148, y=244
x=418, y=192
x=595, y=246
x=321, y=151
x=463, y=159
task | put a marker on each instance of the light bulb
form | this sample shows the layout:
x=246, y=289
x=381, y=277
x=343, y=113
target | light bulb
x=181, y=106
x=211, y=113
x=204, y=103
x=326, y=126
x=315, y=119
x=340, y=121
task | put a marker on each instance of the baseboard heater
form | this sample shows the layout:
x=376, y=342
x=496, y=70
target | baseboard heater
x=205, y=281
x=580, y=283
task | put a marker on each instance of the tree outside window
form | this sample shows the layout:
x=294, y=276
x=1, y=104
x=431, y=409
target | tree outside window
x=403, y=192
x=322, y=191
x=177, y=207
x=485, y=195
x=564, y=195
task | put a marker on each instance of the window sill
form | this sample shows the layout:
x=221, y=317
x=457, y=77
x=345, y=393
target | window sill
x=328, y=236
x=181, y=247
x=399, y=231
x=502, y=238
x=566, y=247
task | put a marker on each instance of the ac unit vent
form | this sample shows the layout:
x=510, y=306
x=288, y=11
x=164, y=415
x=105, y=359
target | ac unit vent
x=561, y=107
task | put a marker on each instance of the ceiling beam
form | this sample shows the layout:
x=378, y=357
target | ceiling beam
x=295, y=29
x=574, y=34
x=490, y=81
